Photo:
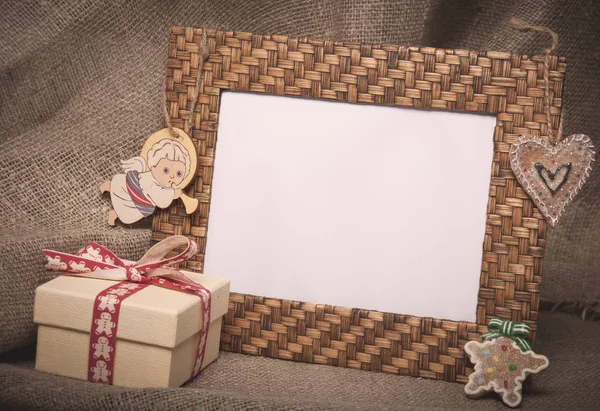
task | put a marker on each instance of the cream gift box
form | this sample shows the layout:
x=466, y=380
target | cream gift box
x=157, y=336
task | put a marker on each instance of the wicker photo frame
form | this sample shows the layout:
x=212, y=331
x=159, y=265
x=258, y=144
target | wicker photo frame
x=511, y=86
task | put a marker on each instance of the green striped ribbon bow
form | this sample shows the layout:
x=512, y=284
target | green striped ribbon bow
x=518, y=331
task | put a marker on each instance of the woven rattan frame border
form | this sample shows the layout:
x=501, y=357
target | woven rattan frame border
x=506, y=84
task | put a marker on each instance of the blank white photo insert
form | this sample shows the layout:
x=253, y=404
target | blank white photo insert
x=364, y=206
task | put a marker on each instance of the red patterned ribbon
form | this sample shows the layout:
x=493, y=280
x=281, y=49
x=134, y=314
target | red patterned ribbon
x=96, y=261
x=103, y=333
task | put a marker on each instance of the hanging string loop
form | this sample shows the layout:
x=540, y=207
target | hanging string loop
x=519, y=24
x=189, y=123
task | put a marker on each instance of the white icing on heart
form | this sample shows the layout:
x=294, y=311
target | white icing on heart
x=552, y=175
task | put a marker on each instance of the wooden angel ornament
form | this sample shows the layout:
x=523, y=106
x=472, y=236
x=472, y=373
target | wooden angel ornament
x=165, y=166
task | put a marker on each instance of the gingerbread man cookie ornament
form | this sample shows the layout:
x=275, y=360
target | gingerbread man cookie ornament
x=500, y=365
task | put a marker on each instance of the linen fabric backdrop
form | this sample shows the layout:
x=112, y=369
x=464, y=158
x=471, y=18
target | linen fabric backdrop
x=81, y=88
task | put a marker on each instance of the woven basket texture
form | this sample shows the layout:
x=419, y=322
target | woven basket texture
x=509, y=85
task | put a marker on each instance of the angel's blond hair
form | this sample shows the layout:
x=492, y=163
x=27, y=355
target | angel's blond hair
x=171, y=150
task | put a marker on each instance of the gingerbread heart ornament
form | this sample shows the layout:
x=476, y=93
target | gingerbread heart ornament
x=552, y=174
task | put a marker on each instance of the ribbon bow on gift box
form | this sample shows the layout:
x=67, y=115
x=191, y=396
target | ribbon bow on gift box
x=96, y=261
x=518, y=331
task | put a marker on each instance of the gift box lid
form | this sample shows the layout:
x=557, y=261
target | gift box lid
x=154, y=315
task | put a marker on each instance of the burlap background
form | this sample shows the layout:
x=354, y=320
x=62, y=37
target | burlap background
x=242, y=382
x=81, y=85
x=80, y=88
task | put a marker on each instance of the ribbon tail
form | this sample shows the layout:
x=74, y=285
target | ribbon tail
x=179, y=276
x=103, y=252
x=170, y=274
x=491, y=336
x=114, y=274
x=523, y=344
x=74, y=264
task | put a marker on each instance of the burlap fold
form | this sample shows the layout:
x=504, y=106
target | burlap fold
x=81, y=86
x=243, y=382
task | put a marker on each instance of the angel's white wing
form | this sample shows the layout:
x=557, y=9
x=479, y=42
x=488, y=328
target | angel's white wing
x=134, y=164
